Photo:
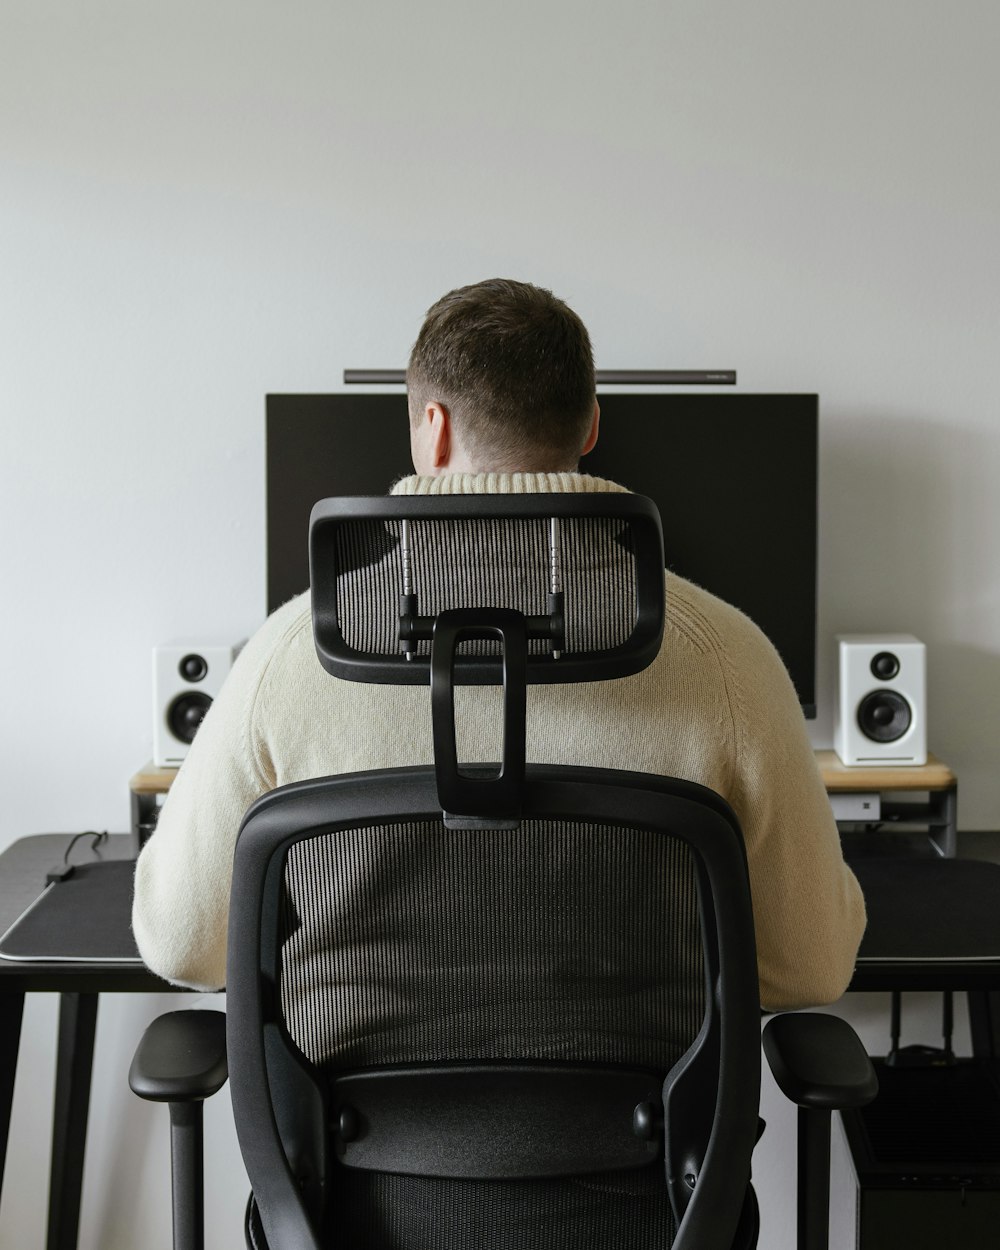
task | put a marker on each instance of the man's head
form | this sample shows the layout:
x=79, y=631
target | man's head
x=501, y=378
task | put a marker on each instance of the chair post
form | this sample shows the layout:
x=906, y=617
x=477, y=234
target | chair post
x=813, y=1210
x=186, y=1167
x=181, y=1060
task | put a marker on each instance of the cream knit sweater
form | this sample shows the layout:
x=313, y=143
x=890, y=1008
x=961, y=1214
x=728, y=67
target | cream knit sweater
x=716, y=707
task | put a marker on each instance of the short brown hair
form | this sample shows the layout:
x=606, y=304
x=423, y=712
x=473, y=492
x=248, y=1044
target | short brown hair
x=514, y=367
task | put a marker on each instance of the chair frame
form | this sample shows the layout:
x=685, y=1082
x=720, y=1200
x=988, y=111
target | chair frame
x=710, y=1097
x=728, y=1046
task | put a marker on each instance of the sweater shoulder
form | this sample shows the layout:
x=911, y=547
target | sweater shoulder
x=707, y=622
x=284, y=623
x=283, y=634
x=751, y=670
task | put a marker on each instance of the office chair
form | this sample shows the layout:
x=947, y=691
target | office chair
x=480, y=1005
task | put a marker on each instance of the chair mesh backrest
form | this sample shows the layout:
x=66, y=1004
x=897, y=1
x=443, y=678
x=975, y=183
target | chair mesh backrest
x=409, y=943
x=367, y=935
x=558, y=940
x=463, y=563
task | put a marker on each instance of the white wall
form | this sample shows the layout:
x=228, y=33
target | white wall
x=201, y=203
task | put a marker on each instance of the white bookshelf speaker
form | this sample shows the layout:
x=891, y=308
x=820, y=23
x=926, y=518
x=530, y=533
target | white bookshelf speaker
x=880, y=714
x=187, y=675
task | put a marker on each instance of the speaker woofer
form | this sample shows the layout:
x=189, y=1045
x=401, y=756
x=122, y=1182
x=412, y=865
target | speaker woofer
x=884, y=716
x=186, y=713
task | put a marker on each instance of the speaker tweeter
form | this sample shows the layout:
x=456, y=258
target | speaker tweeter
x=880, y=710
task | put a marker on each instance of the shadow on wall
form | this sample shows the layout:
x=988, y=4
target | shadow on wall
x=909, y=531
x=964, y=687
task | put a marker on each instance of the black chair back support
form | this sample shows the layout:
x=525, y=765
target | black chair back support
x=585, y=570
x=511, y=1005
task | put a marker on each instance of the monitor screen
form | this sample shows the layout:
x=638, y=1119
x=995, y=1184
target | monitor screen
x=734, y=477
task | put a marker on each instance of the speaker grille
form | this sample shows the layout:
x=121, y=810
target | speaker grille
x=884, y=716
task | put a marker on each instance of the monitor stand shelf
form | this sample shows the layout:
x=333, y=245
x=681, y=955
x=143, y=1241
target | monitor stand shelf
x=878, y=809
x=886, y=810
x=147, y=790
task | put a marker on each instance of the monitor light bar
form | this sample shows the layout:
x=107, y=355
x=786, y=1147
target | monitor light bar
x=605, y=377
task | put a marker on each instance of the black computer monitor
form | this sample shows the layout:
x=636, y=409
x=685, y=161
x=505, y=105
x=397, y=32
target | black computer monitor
x=734, y=477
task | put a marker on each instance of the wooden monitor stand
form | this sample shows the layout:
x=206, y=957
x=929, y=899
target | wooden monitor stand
x=842, y=778
x=146, y=791
x=922, y=795
x=871, y=784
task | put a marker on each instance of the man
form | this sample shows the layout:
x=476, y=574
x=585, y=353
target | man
x=501, y=397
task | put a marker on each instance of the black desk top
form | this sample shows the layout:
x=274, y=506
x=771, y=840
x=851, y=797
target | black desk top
x=23, y=866
x=933, y=923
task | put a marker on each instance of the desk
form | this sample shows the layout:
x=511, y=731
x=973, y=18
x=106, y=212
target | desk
x=22, y=875
x=22, y=872
x=934, y=924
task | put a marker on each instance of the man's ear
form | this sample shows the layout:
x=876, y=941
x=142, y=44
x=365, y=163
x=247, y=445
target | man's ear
x=439, y=422
x=591, y=439
x=430, y=439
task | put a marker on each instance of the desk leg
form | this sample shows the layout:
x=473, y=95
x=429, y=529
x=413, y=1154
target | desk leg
x=77, y=1026
x=11, y=1011
x=984, y=1023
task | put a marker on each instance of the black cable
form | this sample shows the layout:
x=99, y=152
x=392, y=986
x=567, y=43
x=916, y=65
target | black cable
x=65, y=870
x=87, y=833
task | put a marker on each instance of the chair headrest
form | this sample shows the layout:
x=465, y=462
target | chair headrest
x=585, y=570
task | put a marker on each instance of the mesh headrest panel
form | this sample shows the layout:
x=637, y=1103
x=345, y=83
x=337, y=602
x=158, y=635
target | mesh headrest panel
x=603, y=554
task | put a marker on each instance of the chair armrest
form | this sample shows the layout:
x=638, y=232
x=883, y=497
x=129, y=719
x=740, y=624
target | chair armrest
x=181, y=1057
x=818, y=1061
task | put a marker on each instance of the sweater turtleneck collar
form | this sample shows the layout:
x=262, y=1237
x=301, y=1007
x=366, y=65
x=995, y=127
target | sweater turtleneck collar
x=504, y=484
